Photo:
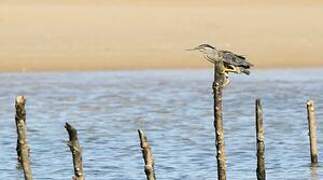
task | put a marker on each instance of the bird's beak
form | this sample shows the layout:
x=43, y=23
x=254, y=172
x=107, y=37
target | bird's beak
x=194, y=49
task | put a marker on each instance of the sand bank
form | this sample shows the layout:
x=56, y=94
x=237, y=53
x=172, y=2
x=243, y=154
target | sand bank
x=98, y=35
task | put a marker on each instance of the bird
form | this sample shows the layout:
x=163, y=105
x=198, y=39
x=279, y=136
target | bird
x=232, y=62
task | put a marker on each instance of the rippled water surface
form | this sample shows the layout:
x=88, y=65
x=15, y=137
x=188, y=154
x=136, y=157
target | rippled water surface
x=175, y=110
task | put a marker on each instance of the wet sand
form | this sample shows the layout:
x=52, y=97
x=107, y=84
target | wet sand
x=97, y=35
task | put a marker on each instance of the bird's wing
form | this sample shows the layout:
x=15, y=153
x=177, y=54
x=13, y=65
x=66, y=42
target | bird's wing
x=235, y=59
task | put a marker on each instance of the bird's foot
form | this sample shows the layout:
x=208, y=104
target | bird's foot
x=233, y=69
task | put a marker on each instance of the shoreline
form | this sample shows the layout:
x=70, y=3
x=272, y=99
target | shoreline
x=155, y=69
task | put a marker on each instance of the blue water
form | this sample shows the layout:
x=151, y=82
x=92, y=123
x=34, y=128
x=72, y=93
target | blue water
x=174, y=108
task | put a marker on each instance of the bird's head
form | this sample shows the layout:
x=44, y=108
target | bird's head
x=204, y=48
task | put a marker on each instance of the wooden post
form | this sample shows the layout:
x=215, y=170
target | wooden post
x=218, y=85
x=22, y=144
x=147, y=155
x=312, y=131
x=261, y=171
x=76, y=150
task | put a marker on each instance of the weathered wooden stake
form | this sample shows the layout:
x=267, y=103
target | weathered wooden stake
x=22, y=145
x=261, y=171
x=76, y=150
x=312, y=131
x=218, y=85
x=147, y=155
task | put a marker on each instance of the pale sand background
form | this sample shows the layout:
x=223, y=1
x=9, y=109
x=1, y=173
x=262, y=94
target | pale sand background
x=99, y=35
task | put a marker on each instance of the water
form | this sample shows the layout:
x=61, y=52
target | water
x=175, y=110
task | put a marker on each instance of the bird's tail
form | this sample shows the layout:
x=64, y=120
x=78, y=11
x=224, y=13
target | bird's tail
x=245, y=71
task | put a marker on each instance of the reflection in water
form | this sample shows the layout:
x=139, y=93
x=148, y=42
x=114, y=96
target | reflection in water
x=314, y=172
x=175, y=110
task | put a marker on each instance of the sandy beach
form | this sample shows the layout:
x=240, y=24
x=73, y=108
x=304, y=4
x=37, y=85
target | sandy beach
x=98, y=35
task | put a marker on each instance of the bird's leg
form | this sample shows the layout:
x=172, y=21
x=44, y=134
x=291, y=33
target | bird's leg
x=233, y=69
x=229, y=70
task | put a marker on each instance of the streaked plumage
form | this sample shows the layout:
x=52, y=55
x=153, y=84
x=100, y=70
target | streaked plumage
x=233, y=62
